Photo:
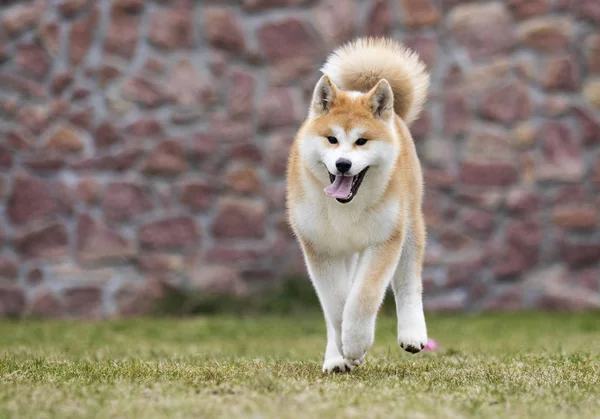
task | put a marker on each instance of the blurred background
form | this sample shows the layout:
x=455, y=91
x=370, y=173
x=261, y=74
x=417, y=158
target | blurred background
x=143, y=147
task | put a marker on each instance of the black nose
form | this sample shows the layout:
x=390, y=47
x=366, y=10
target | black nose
x=343, y=165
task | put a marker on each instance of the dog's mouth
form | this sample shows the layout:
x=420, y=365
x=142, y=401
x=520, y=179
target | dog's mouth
x=344, y=188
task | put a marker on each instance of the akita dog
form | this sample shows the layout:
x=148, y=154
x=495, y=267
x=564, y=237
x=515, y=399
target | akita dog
x=354, y=192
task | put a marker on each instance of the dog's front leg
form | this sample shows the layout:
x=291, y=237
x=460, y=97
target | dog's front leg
x=376, y=267
x=408, y=290
x=332, y=283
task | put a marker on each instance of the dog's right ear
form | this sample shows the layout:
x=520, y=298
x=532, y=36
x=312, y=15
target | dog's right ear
x=323, y=96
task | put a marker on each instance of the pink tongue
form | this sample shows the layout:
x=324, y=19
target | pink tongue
x=340, y=188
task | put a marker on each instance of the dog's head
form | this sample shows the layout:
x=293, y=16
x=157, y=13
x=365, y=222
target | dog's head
x=349, y=136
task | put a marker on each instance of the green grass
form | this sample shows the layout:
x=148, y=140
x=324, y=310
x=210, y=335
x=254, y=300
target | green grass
x=531, y=365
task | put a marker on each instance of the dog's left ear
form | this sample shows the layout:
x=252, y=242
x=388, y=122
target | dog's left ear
x=323, y=96
x=381, y=100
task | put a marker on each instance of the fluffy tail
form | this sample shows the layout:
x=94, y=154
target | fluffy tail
x=360, y=64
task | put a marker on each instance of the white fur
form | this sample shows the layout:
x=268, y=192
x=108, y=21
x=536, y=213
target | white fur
x=322, y=159
x=339, y=229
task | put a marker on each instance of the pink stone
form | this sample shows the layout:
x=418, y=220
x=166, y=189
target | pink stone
x=97, y=243
x=586, y=9
x=202, y=146
x=27, y=87
x=580, y=254
x=380, y=20
x=507, y=103
x=70, y=8
x=588, y=124
x=523, y=9
x=169, y=233
x=44, y=163
x=197, y=195
x=592, y=53
x=145, y=127
x=187, y=87
x=66, y=139
x=490, y=174
x=122, y=33
x=335, y=20
x=47, y=241
x=522, y=201
x=8, y=268
x=31, y=200
x=49, y=33
x=419, y=13
x=84, y=302
x=106, y=134
x=285, y=39
x=36, y=118
x=167, y=159
x=46, y=305
x=562, y=73
x=124, y=200
x=425, y=47
x=139, y=299
x=277, y=108
x=484, y=29
x=32, y=59
x=223, y=30
x=12, y=300
x=561, y=155
x=278, y=148
x=243, y=179
x=240, y=99
x=258, y=5
x=21, y=16
x=464, y=271
x=81, y=36
x=144, y=91
x=6, y=160
x=457, y=114
x=479, y=221
x=238, y=217
x=172, y=28
x=233, y=131
x=118, y=162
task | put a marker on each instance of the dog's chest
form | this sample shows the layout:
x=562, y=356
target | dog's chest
x=339, y=229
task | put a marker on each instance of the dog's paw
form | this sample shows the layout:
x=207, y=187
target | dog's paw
x=337, y=365
x=412, y=329
x=357, y=362
x=356, y=341
x=413, y=339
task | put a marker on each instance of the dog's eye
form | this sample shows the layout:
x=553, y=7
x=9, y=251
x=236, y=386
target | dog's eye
x=361, y=141
x=332, y=140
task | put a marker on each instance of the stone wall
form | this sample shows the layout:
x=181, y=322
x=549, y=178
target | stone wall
x=143, y=145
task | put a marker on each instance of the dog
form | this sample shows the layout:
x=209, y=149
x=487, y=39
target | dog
x=354, y=192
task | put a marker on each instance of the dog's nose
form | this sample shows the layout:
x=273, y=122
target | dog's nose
x=343, y=165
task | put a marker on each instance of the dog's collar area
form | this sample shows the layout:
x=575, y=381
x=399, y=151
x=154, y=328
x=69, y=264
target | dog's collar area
x=356, y=182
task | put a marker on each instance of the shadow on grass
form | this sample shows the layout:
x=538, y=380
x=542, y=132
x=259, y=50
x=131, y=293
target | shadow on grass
x=293, y=296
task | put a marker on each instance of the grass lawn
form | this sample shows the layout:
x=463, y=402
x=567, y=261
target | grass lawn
x=530, y=365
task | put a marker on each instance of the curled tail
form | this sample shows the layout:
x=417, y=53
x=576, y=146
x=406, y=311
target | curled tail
x=360, y=64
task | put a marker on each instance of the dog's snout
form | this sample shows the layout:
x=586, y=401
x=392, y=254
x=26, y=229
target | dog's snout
x=343, y=165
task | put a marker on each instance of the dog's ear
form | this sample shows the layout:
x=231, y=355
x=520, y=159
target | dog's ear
x=381, y=100
x=323, y=96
